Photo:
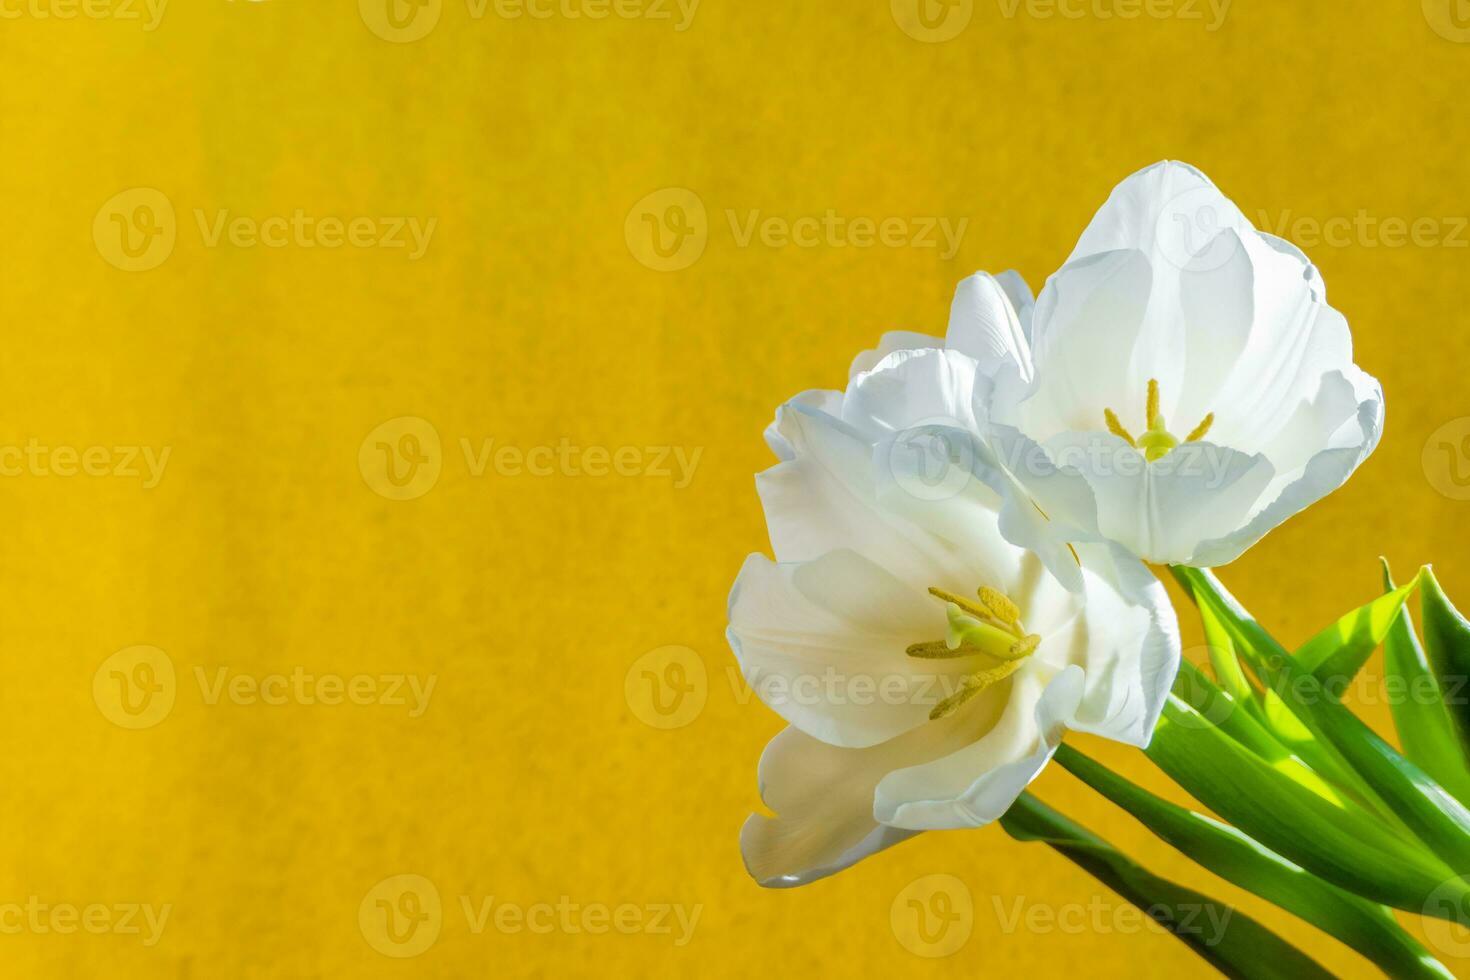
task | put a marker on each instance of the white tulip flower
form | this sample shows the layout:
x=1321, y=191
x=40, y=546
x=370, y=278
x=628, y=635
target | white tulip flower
x=927, y=667
x=1180, y=387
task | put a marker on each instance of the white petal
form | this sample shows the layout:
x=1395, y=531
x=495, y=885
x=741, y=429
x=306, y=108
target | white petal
x=821, y=498
x=890, y=342
x=1086, y=326
x=823, y=797
x=1044, y=509
x=823, y=644
x=978, y=783
x=1169, y=211
x=1020, y=296
x=1128, y=636
x=1327, y=470
x=913, y=388
x=817, y=400
x=1283, y=366
x=984, y=324
x=928, y=476
x=1160, y=511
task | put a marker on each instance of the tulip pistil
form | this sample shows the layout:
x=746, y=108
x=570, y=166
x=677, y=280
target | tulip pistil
x=988, y=626
x=1156, y=440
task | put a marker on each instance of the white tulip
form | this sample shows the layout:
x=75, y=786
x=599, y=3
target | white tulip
x=927, y=667
x=1181, y=386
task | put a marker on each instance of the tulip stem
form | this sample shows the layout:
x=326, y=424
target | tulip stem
x=1230, y=941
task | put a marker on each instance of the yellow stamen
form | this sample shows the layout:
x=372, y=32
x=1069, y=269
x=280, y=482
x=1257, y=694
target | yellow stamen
x=939, y=650
x=1025, y=646
x=1000, y=605
x=973, y=685
x=967, y=631
x=1199, y=431
x=1116, y=427
x=968, y=605
x=1156, y=440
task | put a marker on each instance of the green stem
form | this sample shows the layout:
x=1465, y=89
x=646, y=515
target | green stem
x=1232, y=942
x=1368, y=928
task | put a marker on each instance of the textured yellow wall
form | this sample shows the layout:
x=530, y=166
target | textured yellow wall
x=537, y=315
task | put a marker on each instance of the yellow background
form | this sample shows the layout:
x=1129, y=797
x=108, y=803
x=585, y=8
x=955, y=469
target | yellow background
x=529, y=320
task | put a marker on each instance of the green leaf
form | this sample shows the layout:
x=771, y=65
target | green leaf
x=1217, y=707
x=1447, y=639
x=1232, y=942
x=1424, y=723
x=1434, y=815
x=1281, y=721
x=1365, y=927
x=1224, y=660
x=1338, y=842
x=1337, y=653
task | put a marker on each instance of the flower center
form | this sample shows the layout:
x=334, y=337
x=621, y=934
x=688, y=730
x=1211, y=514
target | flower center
x=990, y=627
x=1156, y=440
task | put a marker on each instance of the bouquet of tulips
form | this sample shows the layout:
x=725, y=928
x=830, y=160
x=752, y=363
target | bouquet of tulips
x=965, y=542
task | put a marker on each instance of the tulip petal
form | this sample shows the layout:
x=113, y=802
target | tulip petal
x=1326, y=470
x=977, y=784
x=823, y=798
x=823, y=795
x=1085, y=329
x=891, y=342
x=822, y=643
x=822, y=498
x=984, y=324
x=1131, y=643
